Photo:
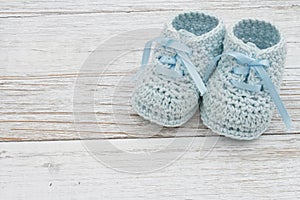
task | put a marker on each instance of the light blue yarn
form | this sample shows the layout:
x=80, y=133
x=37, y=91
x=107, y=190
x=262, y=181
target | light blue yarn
x=236, y=105
x=182, y=56
x=168, y=100
x=246, y=65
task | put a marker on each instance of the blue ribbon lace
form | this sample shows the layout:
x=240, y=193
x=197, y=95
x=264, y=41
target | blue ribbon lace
x=258, y=66
x=182, y=55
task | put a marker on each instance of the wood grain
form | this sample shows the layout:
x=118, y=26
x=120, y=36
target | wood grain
x=127, y=6
x=267, y=168
x=43, y=45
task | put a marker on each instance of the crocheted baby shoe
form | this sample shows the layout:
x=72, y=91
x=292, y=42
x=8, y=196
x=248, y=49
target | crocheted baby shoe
x=242, y=89
x=167, y=92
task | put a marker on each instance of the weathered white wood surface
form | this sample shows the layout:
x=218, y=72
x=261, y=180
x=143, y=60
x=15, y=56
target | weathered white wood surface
x=43, y=44
x=267, y=168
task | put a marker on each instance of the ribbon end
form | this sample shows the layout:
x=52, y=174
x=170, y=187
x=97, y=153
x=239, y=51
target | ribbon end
x=139, y=73
x=289, y=127
x=204, y=90
x=133, y=79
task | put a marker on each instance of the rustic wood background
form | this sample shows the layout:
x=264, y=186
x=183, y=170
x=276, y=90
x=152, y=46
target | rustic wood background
x=43, y=45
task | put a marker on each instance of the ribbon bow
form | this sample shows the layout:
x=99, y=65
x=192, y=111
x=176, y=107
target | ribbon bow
x=258, y=66
x=182, y=55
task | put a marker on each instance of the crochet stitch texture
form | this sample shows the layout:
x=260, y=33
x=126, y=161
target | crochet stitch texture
x=172, y=101
x=238, y=113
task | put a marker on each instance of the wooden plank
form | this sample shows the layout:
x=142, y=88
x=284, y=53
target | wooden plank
x=41, y=57
x=93, y=6
x=212, y=168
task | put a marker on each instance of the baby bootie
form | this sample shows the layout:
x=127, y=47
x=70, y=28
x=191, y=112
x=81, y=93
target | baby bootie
x=168, y=88
x=243, y=87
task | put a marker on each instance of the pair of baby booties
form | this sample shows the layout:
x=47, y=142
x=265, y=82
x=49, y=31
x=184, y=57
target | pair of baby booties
x=234, y=75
